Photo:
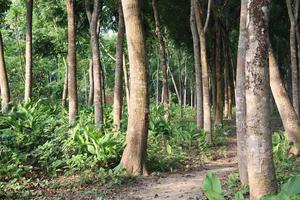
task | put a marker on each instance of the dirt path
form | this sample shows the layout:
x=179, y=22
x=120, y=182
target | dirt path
x=184, y=185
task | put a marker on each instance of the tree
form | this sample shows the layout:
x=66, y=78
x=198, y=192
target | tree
x=205, y=74
x=72, y=81
x=219, y=97
x=118, y=70
x=28, y=67
x=4, y=87
x=295, y=81
x=198, y=74
x=286, y=110
x=163, y=58
x=241, y=96
x=261, y=170
x=135, y=153
x=92, y=11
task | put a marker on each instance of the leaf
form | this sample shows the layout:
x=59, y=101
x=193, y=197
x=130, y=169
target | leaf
x=239, y=196
x=212, y=187
x=292, y=187
x=91, y=149
x=169, y=149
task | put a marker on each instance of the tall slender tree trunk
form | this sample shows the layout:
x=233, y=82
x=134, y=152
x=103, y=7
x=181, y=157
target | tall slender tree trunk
x=198, y=74
x=219, y=97
x=185, y=83
x=28, y=67
x=226, y=84
x=293, y=50
x=205, y=74
x=4, y=86
x=241, y=96
x=287, y=112
x=91, y=83
x=72, y=80
x=118, y=71
x=261, y=170
x=93, y=14
x=135, y=153
x=65, y=89
x=126, y=80
x=163, y=58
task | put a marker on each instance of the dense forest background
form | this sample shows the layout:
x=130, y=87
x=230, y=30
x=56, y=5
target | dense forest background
x=77, y=88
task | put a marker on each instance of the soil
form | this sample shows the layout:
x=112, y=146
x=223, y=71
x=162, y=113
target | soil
x=180, y=185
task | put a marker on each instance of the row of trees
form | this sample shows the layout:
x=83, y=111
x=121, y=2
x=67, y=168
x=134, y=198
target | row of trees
x=209, y=37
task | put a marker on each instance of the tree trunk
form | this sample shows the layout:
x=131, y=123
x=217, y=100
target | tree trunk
x=287, y=112
x=93, y=14
x=65, y=89
x=241, y=97
x=126, y=80
x=293, y=50
x=72, y=82
x=91, y=83
x=226, y=85
x=28, y=67
x=118, y=71
x=261, y=170
x=205, y=74
x=185, y=81
x=219, y=97
x=163, y=59
x=4, y=87
x=135, y=153
x=198, y=74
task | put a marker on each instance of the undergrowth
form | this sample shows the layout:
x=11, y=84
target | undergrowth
x=37, y=145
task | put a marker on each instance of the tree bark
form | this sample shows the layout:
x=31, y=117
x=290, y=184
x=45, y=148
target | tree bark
x=4, y=86
x=205, y=74
x=72, y=82
x=261, y=170
x=163, y=58
x=65, y=89
x=118, y=71
x=91, y=83
x=126, y=80
x=135, y=153
x=287, y=112
x=198, y=74
x=219, y=97
x=28, y=64
x=293, y=50
x=93, y=14
x=241, y=96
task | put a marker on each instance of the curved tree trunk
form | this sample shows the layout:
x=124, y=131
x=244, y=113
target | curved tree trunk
x=287, y=112
x=198, y=74
x=135, y=153
x=163, y=59
x=72, y=82
x=28, y=67
x=261, y=170
x=241, y=97
x=4, y=87
x=205, y=74
x=118, y=71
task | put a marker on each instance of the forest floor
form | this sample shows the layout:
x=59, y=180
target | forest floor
x=183, y=184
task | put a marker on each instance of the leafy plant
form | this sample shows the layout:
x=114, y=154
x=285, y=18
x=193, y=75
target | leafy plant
x=212, y=187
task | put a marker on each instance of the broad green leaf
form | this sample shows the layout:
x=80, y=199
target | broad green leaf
x=212, y=187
